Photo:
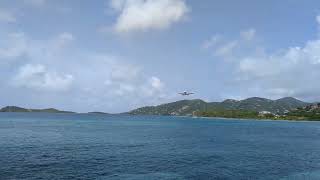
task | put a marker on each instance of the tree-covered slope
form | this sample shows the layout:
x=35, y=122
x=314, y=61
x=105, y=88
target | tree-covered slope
x=254, y=104
x=184, y=107
x=310, y=112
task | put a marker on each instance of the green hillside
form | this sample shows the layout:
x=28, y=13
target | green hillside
x=310, y=112
x=19, y=109
x=254, y=104
x=184, y=107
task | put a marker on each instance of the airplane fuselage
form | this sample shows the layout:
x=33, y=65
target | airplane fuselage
x=186, y=93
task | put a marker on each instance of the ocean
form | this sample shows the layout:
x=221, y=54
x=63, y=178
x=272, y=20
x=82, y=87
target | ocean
x=95, y=146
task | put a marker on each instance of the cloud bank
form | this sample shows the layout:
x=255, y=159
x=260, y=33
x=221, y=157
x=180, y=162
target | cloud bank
x=38, y=77
x=293, y=71
x=54, y=67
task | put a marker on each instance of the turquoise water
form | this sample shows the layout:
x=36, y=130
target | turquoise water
x=75, y=146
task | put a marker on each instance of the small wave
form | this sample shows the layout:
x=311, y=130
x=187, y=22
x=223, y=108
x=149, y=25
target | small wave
x=149, y=176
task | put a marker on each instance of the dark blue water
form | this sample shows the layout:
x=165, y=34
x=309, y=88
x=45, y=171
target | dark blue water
x=49, y=146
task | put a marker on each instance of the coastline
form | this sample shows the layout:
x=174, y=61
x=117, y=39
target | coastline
x=280, y=120
x=251, y=119
x=200, y=117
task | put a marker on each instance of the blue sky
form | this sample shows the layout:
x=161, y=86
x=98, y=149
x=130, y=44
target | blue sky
x=116, y=55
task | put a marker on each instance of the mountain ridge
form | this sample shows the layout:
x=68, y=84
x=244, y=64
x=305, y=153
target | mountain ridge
x=256, y=104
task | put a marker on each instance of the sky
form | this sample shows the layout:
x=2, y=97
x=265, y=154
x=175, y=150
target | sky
x=117, y=55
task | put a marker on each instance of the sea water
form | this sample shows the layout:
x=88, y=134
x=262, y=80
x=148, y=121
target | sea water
x=92, y=146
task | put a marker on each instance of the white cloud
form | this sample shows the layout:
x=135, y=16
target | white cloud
x=55, y=65
x=33, y=57
x=248, y=34
x=143, y=15
x=119, y=82
x=15, y=45
x=292, y=59
x=318, y=19
x=38, y=77
x=154, y=87
x=226, y=49
x=124, y=72
x=62, y=40
x=214, y=40
x=156, y=83
x=65, y=37
x=7, y=16
x=293, y=71
x=125, y=79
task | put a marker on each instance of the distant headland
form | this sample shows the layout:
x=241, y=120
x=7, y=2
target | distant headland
x=20, y=109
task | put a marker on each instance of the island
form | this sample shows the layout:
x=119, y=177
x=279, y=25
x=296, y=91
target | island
x=25, y=110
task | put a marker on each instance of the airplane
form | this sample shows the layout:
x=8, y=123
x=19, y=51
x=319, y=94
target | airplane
x=185, y=93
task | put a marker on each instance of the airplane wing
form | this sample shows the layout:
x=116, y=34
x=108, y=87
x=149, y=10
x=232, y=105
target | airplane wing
x=185, y=93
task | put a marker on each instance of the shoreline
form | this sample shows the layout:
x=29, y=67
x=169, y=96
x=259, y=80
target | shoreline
x=240, y=119
x=200, y=117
